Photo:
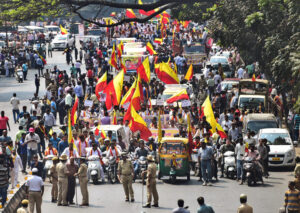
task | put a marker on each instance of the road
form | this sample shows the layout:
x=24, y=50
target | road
x=222, y=196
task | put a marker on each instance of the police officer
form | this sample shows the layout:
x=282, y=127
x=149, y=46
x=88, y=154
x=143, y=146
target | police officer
x=23, y=209
x=125, y=175
x=151, y=183
x=54, y=180
x=83, y=181
x=62, y=173
x=35, y=191
x=244, y=208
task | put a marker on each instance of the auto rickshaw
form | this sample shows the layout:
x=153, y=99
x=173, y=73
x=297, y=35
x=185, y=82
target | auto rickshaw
x=173, y=158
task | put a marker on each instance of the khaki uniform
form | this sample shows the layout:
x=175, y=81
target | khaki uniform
x=54, y=179
x=62, y=171
x=151, y=184
x=83, y=181
x=22, y=210
x=125, y=170
x=245, y=208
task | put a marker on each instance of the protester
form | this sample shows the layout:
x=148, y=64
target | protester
x=203, y=207
x=181, y=208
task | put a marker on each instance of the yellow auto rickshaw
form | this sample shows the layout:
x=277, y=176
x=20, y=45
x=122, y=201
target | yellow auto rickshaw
x=173, y=158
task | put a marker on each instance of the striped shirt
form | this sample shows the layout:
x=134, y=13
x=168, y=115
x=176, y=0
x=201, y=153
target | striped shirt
x=292, y=199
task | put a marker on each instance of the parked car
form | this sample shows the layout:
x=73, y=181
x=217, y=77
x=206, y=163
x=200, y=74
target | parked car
x=60, y=41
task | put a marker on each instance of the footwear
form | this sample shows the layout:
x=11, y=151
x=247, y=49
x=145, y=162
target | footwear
x=59, y=204
x=71, y=203
x=200, y=180
x=209, y=184
x=204, y=184
x=241, y=183
x=155, y=205
x=132, y=200
x=84, y=204
x=53, y=201
x=65, y=204
x=126, y=200
x=147, y=206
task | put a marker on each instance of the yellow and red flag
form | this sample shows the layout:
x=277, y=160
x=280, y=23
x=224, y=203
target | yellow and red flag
x=113, y=59
x=101, y=85
x=137, y=123
x=253, y=77
x=166, y=74
x=120, y=49
x=189, y=131
x=186, y=24
x=113, y=90
x=70, y=135
x=63, y=30
x=150, y=48
x=144, y=70
x=159, y=136
x=189, y=74
x=166, y=14
x=127, y=97
x=130, y=14
x=136, y=98
x=74, y=112
x=114, y=118
x=113, y=14
x=181, y=95
x=158, y=40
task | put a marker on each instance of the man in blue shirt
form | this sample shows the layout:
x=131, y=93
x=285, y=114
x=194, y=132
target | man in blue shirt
x=204, y=208
x=53, y=107
x=40, y=65
x=205, y=155
x=25, y=70
x=54, y=140
x=78, y=90
x=23, y=151
x=63, y=144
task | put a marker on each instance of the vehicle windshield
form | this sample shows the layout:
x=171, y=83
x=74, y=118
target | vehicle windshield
x=94, y=32
x=226, y=86
x=173, y=148
x=53, y=29
x=166, y=96
x=114, y=134
x=250, y=103
x=61, y=38
x=194, y=49
x=277, y=138
x=216, y=60
x=258, y=125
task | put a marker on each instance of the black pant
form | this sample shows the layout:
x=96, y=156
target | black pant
x=24, y=160
x=71, y=189
x=25, y=75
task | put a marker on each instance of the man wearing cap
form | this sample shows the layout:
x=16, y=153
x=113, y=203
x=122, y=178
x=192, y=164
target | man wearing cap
x=23, y=209
x=151, y=183
x=35, y=191
x=62, y=173
x=125, y=175
x=244, y=208
x=54, y=179
x=83, y=181
x=32, y=139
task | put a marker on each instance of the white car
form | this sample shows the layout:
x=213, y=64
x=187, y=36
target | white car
x=60, y=41
x=51, y=29
x=282, y=151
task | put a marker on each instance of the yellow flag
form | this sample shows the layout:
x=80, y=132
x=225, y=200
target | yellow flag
x=159, y=128
x=70, y=135
x=51, y=131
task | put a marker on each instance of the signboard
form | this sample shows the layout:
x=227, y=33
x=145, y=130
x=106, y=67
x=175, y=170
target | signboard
x=168, y=132
x=159, y=102
x=164, y=120
x=185, y=103
x=81, y=29
x=88, y=103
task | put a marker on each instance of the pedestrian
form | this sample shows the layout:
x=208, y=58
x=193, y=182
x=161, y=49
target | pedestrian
x=263, y=152
x=23, y=151
x=35, y=191
x=3, y=123
x=4, y=176
x=239, y=152
x=39, y=165
x=37, y=84
x=62, y=173
x=181, y=208
x=203, y=207
x=32, y=139
x=49, y=121
x=40, y=65
x=244, y=208
x=50, y=50
x=25, y=70
x=83, y=181
x=72, y=170
x=205, y=156
x=292, y=199
x=24, y=206
x=54, y=180
x=15, y=171
x=125, y=175
x=15, y=102
x=151, y=183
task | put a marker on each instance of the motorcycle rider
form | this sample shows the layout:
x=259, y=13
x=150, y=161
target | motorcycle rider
x=151, y=145
x=225, y=148
x=239, y=152
x=139, y=152
x=254, y=154
x=50, y=150
x=95, y=151
x=113, y=151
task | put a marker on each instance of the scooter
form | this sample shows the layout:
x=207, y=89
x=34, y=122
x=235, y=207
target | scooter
x=253, y=171
x=112, y=170
x=229, y=164
x=19, y=76
x=143, y=165
x=94, y=167
x=48, y=164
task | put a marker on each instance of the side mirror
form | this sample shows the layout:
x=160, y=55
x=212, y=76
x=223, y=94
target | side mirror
x=295, y=143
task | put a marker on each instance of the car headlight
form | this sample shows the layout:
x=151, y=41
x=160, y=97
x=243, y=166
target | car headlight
x=289, y=154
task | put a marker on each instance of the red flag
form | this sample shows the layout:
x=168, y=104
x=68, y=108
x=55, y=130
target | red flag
x=73, y=112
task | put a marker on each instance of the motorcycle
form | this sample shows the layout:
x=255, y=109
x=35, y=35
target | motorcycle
x=19, y=76
x=94, y=167
x=48, y=164
x=112, y=169
x=194, y=163
x=143, y=165
x=229, y=164
x=253, y=171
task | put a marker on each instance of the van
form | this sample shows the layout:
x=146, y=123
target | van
x=116, y=131
x=257, y=121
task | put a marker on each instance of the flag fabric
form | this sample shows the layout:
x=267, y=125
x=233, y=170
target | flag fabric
x=113, y=59
x=103, y=134
x=120, y=50
x=70, y=135
x=164, y=20
x=182, y=95
x=113, y=90
x=138, y=124
x=150, y=49
x=189, y=74
x=210, y=118
x=158, y=40
x=189, y=131
x=127, y=97
x=144, y=70
x=97, y=130
x=101, y=85
x=63, y=30
x=74, y=112
x=136, y=98
x=114, y=118
x=130, y=14
x=186, y=24
x=113, y=14
x=42, y=58
x=166, y=74
x=166, y=14
x=159, y=137
x=253, y=77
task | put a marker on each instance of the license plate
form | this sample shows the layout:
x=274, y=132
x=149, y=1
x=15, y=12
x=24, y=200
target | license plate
x=275, y=159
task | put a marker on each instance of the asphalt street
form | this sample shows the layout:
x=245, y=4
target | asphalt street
x=223, y=196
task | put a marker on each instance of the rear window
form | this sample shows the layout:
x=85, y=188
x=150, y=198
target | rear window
x=258, y=125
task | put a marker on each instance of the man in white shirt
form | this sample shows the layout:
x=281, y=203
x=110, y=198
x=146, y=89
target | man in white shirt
x=128, y=133
x=240, y=73
x=70, y=151
x=32, y=139
x=35, y=191
x=226, y=124
x=239, y=152
x=15, y=102
x=95, y=151
x=217, y=78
